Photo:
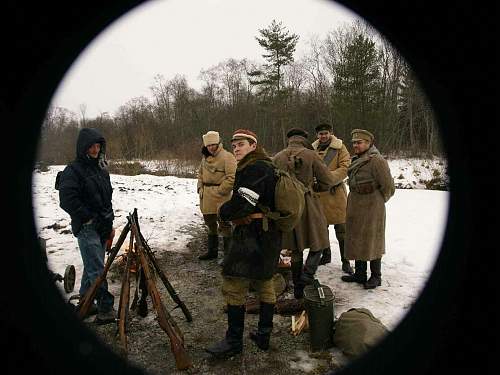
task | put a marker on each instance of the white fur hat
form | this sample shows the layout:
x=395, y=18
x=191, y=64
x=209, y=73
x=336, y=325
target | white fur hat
x=211, y=138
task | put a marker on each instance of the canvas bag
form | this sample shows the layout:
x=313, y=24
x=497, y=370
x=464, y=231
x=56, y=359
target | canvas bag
x=289, y=200
x=356, y=331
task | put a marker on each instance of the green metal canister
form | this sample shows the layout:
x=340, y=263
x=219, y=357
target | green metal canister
x=318, y=300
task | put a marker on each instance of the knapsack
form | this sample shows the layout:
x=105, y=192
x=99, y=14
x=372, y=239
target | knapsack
x=356, y=331
x=289, y=200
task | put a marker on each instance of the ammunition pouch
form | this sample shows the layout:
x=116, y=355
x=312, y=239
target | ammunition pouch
x=364, y=188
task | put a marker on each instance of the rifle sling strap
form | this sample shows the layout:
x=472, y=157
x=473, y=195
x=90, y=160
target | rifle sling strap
x=330, y=154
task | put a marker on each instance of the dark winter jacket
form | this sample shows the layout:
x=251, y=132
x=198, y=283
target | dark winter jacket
x=85, y=188
x=254, y=252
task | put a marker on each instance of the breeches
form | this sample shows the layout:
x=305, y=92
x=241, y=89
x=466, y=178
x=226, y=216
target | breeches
x=216, y=227
x=235, y=290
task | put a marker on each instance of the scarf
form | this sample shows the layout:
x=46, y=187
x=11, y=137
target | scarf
x=358, y=161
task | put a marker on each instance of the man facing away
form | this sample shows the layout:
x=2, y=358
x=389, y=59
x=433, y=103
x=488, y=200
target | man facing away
x=300, y=159
x=215, y=184
x=334, y=202
x=255, y=247
x=85, y=193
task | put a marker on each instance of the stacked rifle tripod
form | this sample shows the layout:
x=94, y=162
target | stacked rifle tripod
x=142, y=258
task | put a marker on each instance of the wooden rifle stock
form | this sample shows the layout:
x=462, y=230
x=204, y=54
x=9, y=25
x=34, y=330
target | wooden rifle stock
x=164, y=278
x=166, y=322
x=125, y=298
x=88, y=298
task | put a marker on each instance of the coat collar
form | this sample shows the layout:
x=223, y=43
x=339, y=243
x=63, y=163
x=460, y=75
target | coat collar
x=336, y=143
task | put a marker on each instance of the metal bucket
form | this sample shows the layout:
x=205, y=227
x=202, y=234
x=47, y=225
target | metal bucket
x=318, y=300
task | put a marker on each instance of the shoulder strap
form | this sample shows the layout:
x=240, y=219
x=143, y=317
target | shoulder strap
x=330, y=154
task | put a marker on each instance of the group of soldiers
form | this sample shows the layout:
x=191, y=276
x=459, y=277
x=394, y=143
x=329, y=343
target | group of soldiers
x=233, y=188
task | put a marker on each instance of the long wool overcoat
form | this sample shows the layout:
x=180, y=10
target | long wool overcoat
x=370, y=186
x=334, y=202
x=215, y=179
x=312, y=231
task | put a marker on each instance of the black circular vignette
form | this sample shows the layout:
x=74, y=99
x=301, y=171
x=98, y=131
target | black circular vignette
x=443, y=44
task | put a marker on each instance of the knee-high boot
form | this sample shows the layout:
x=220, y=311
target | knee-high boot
x=262, y=336
x=312, y=263
x=233, y=342
x=213, y=248
x=346, y=265
x=359, y=275
x=298, y=284
x=376, y=274
x=326, y=256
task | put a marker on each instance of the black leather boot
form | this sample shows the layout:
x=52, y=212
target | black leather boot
x=326, y=256
x=232, y=344
x=312, y=263
x=376, y=274
x=346, y=265
x=359, y=275
x=298, y=284
x=213, y=248
x=262, y=336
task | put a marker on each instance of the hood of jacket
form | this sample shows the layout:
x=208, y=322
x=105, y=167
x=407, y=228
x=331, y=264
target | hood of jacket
x=86, y=138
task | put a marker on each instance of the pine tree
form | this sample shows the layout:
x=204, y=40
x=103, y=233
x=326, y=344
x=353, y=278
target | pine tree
x=280, y=46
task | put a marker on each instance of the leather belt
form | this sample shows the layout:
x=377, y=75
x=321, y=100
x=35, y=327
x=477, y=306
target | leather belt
x=248, y=219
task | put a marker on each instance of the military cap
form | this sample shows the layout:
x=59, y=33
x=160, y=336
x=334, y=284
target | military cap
x=362, y=135
x=323, y=126
x=297, y=131
x=244, y=134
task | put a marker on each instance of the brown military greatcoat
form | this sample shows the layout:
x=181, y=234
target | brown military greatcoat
x=312, y=231
x=334, y=202
x=370, y=186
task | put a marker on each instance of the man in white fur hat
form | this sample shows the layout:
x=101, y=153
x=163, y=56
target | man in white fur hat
x=215, y=185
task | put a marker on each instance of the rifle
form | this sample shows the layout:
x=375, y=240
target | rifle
x=125, y=298
x=160, y=273
x=166, y=322
x=88, y=298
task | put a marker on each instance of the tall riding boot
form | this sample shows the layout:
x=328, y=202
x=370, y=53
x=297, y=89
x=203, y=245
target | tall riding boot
x=262, y=336
x=298, y=284
x=326, y=256
x=346, y=265
x=359, y=275
x=227, y=244
x=233, y=342
x=376, y=274
x=213, y=248
x=312, y=263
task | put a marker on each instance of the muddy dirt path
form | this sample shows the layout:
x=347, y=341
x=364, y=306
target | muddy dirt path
x=199, y=286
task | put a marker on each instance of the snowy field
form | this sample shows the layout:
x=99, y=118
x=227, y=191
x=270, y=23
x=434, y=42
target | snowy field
x=416, y=219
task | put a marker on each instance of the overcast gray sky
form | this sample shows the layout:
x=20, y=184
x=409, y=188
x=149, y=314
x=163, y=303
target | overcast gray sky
x=171, y=37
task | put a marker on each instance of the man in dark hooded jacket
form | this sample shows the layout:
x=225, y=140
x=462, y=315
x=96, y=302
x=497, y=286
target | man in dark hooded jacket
x=255, y=247
x=85, y=194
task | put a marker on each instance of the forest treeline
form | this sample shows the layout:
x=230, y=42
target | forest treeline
x=351, y=78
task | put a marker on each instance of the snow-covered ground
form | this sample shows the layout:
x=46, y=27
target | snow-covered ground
x=416, y=219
